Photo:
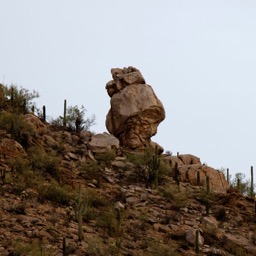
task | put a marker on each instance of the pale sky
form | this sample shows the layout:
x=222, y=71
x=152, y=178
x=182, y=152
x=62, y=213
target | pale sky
x=198, y=55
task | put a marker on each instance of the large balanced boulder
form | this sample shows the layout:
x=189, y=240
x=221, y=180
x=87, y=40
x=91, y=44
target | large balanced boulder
x=135, y=111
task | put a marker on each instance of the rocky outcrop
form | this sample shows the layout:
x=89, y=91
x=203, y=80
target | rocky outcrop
x=103, y=142
x=135, y=111
x=35, y=122
x=10, y=150
x=190, y=165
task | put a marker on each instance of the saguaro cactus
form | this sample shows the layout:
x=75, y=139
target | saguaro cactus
x=64, y=247
x=65, y=114
x=207, y=207
x=207, y=184
x=155, y=167
x=197, y=241
x=252, y=183
x=81, y=209
x=44, y=113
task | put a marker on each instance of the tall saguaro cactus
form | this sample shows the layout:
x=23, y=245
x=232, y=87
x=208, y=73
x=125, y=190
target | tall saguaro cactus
x=64, y=247
x=81, y=209
x=252, y=183
x=197, y=242
x=65, y=114
x=155, y=167
x=44, y=113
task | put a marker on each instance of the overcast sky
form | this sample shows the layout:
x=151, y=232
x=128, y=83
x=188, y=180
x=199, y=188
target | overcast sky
x=198, y=55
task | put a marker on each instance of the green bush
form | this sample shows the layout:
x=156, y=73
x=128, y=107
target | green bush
x=19, y=165
x=149, y=167
x=107, y=220
x=75, y=119
x=91, y=171
x=55, y=193
x=45, y=162
x=19, y=129
x=32, y=248
x=16, y=100
x=158, y=248
x=174, y=195
x=105, y=158
x=241, y=184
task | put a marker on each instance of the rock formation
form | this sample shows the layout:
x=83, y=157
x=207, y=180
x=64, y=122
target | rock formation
x=190, y=165
x=135, y=111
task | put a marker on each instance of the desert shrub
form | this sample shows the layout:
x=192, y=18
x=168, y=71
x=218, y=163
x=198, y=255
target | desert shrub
x=149, y=167
x=203, y=197
x=158, y=248
x=32, y=248
x=111, y=220
x=107, y=220
x=19, y=129
x=16, y=100
x=91, y=171
x=241, y=184
x=55, y=193
x=164, y=169
x=174, y=195
x=96, y=200
x=18, y=208
x=19, y=165
x=94, y=205
x=95, y=246
x=75, y=119
x=105, y=158
x=45, y=162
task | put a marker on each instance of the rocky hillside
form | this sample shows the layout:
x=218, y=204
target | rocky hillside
x=78, y=193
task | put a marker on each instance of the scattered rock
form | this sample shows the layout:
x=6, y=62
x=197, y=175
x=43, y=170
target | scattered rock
x=209, y=222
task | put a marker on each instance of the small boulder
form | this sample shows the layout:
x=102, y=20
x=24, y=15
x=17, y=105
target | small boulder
x=191, y=237
x=102, y=142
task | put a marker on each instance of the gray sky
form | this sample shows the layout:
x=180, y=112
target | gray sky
x=199, y=56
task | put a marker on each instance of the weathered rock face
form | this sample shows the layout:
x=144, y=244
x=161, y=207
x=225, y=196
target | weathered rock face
x=190, y=165
x=135, y=111
x=10, y=149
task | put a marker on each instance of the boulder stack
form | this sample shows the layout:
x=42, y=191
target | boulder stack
x=135, y=111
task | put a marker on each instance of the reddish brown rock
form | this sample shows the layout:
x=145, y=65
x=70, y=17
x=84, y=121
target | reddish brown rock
x=190, y=165
x=10, y=149
x=38, y=126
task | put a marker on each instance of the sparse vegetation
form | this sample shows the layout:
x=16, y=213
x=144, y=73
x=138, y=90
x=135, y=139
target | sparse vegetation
x=149, y=166
x=174, y=195
x=31, y=248
x=16, y=100
x=41, y=198
x=44, y=162
x=74, y=119
x=53, y=192
x=105, y=158
x=18, y=128
x=241, y=184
